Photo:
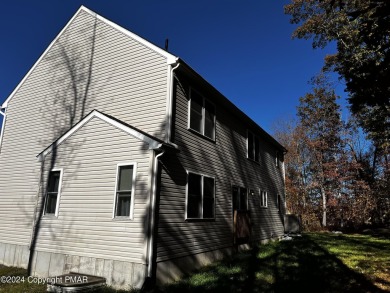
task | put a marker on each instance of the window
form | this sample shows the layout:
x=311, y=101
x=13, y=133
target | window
x=52, y=194
x=200, y=197
x=278, y=201
x=124, y=190
x=240, y=198
x=202, y=115
x=253, y=147
x=263, y=198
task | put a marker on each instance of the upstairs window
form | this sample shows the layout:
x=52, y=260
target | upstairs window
x=253, y=147
x=202, y=115
x=200, y=197
x=52, y=194
x=124, y=190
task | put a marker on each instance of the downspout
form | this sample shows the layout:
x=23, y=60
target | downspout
x=153, y=215
x=2, y=126
x=284, y=182
x=170, y=103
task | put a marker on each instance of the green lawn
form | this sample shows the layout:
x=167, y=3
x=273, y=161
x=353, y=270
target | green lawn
x=320, y=262
x=315, y=262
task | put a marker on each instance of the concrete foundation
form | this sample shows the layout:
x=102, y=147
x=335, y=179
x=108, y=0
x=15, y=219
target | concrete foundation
x=118, y=274
x=173, y=269
x=14, y=255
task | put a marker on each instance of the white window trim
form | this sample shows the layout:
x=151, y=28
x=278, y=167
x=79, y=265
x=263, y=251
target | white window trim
x=131, y=216
x=247, y=143
x=202, y=176
x=277, y=163
x=255, y=137
x=203, y=115
x=265, y=199
x=61, y=170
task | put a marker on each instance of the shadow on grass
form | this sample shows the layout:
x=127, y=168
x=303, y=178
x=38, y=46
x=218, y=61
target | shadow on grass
x=301, y=265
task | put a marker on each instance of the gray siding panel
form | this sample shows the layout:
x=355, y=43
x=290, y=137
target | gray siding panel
x=84, y=222
x=116, y=75
x=225, y=159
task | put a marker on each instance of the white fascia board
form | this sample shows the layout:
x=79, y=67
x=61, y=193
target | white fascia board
x=153, y=144
x=5, y=104
x=171, y=59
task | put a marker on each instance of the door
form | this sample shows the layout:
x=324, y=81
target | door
x=241, y=219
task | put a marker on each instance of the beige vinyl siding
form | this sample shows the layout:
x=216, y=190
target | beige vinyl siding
x=84, y=225
x=225, y=159
x=125, y=80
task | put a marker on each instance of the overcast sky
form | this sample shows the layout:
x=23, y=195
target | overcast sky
x=243, y=48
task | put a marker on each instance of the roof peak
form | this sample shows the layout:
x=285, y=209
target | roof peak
x=171, y=59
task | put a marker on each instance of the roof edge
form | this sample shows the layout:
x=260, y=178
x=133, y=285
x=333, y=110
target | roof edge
x=5, y=104
x=171, y=59
x=153, y=142
x=233, y=106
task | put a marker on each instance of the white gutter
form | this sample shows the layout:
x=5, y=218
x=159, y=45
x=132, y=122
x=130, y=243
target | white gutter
x=152, y=212
x=152, y=215
x=2, y=126
x=170, y=102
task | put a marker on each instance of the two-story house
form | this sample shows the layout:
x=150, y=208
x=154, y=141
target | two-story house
x=119, y=160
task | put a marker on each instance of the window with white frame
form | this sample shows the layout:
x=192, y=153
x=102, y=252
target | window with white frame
x=202, y=115
x=200, y=197
x=52, y=193
x=253, y=147
x=263, y=198
x=124, y=193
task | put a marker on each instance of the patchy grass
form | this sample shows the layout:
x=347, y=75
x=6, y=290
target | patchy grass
x=16, y=280
x=364, y=254
x=315, y=262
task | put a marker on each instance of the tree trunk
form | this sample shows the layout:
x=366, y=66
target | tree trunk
x=323, y=207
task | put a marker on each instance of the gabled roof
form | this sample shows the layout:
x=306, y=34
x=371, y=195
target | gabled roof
x=153, y=142
x=171, y=59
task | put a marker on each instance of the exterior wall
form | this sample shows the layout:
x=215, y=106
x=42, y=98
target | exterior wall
x=226, y=160
x=85, y=237
x=85, y=224
x=90, y=66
